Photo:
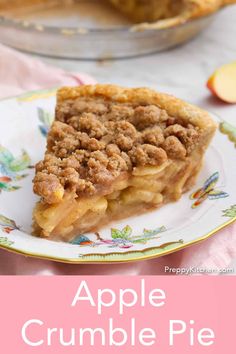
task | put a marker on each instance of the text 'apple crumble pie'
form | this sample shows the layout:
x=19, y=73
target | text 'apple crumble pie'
x=114, y=152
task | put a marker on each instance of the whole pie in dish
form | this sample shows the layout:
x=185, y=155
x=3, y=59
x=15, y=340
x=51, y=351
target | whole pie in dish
x=164, y=12
x=172, y=12
x=113, y=152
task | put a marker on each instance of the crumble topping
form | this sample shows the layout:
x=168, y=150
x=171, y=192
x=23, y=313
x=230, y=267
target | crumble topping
x=92, y=141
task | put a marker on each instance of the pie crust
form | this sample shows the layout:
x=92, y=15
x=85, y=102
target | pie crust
x=113, y=152
x=155, y=13
x=146, y=14
x=151, y=14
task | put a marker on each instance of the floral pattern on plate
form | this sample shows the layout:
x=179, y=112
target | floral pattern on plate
x=46, y=119
x=208, y=191
x=230, y=212
x=149, y=252
x=5, y=242
x=124, y=238
x=7, y=225
x=229, y=130
x=10, y=168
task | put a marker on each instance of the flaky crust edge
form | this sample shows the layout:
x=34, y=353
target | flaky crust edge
x=174, y=106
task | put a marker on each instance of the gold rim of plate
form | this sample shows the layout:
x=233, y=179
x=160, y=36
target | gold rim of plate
x=121, y=260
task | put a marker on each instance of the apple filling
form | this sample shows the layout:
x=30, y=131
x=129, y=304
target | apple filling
x=147, y=187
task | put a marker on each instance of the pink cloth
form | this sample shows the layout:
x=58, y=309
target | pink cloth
x=19, y=73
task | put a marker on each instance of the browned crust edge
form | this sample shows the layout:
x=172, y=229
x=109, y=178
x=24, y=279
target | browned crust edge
x=174, y=106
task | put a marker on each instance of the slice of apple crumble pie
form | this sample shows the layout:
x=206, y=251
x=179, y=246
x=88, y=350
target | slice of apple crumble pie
x=113, y=152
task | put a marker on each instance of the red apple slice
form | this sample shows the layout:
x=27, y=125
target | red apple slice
x=223, y=83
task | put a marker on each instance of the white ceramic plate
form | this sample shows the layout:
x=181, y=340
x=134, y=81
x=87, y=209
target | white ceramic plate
x=24, y=122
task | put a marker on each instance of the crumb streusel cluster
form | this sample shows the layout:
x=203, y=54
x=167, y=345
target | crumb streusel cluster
x=92, y=141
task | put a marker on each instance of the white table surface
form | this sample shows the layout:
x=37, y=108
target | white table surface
x=181, y=71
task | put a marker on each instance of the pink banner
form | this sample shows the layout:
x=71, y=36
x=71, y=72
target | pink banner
x=45, y=315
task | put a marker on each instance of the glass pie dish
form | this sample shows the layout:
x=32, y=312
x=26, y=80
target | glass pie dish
x=87, y=30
